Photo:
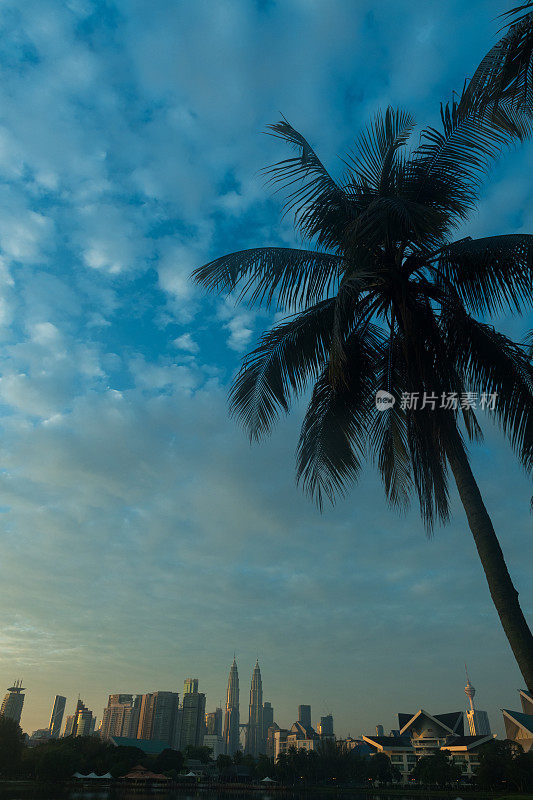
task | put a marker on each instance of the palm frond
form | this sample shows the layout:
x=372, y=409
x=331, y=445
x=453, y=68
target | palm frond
x=498, y=368
x=528, y=342
x=506, y=71
x=288, y=356
x=372, y=160
x=320, y=205
x=292, y=278
x=334, y=430
x=426, y=444
x=462, y=152
x=396, y=219
x=388, y=436
x=347, y=302
x=490, y=274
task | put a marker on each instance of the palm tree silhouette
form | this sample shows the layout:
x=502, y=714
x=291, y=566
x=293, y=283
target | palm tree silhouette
x=385, y=301
x=505, y=75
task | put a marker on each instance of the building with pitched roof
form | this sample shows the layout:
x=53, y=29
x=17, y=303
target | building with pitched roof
x=519, y=725
x=464, y=752
x=429, y=732
x=422, y=734
x=300, y=736
x=398, y=749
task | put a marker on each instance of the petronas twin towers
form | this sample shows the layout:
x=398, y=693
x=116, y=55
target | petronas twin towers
x=254, y=741
x=254, y=732
x=231, y=720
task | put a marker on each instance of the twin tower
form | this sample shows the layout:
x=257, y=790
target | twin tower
x=255, y=740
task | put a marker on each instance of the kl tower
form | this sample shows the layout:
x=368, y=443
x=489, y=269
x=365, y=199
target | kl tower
x=478, y=721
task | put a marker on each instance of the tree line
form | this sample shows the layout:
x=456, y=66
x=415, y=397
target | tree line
x=502, y=765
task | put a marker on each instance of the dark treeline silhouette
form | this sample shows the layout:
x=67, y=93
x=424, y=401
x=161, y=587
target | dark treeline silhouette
x=503, y=764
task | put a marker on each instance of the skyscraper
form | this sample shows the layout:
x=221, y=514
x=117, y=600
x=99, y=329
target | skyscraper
x=146, y=716
x=304, y=716
x=56, y=718
x=121, y=717
x=478, y=721
x=69, y=725
x=268, y=720
x=326, y=726
x=190, y=686
x=192, y=716
x=213, y=723
x=254, y=731
x=13, y=702
x=165, y=717
x=82, y=722
x=231, y=719
x=158, y=717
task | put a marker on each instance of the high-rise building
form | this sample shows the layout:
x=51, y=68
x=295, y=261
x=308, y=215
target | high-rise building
x=254, y=731
x=56, y=718
x=231, y=719
x=190, y=686
x=69, y=725
x=165, y=717
x=146, y=716
x=478, y=721
x=121, y=717
x=192, y=716
x=270, y=739
x=13, y=702
x=304, y=716
x=326, y=726
x=213, y=723
x=268, y=720
x=158, y=717
x=215, y=744
x=130, y=721
x=81, y=723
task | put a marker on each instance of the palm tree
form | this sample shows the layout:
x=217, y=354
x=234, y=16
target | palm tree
x=384, y=300
x=505, y=75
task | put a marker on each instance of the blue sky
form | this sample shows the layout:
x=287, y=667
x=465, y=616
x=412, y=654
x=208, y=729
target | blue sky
x=143, y=539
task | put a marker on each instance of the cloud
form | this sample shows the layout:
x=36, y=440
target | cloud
x=186, y=342
x=153, y=487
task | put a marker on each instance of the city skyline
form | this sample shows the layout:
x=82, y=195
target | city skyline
x=132, y=715
x=138, y=522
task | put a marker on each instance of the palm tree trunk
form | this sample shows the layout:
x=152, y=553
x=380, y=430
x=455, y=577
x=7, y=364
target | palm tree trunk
x=502, y=591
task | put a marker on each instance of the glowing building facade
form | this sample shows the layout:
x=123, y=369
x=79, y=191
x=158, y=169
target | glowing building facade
x=13, y=702
x=231, y=718
x=56, y=718
x=478, y=721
